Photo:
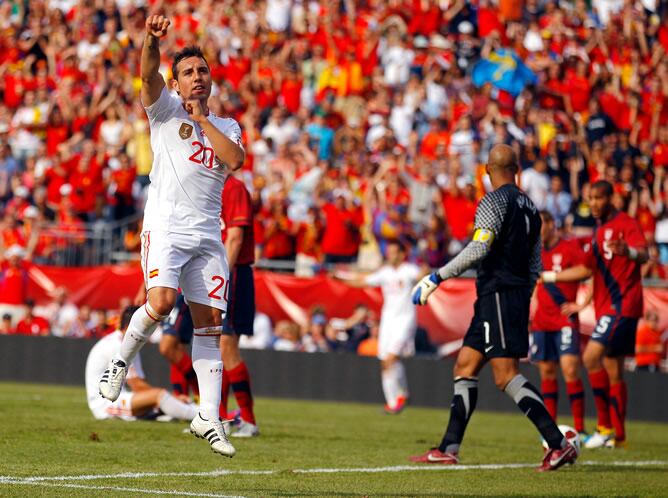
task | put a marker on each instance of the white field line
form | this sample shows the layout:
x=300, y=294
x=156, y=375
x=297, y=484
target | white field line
x=174, y=492
x=353, y=470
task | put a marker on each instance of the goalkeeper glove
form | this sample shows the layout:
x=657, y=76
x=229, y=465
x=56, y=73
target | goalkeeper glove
x=425, y=287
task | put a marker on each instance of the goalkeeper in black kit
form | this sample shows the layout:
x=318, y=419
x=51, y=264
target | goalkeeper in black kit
x=506, y=251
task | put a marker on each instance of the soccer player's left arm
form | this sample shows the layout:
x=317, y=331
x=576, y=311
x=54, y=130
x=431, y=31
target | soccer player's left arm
x=227, y=150
x=488, y=223
x=357, y=280
x=631, y=244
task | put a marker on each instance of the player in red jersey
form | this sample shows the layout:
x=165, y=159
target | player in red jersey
x=237, y=215
x=617, y=252
x=555, y=338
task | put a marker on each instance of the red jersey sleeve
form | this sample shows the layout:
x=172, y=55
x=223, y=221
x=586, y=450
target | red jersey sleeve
x=633, y=234
x=237, y=209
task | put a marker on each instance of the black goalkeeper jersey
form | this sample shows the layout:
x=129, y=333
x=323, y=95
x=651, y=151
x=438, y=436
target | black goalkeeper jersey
x=515, y=221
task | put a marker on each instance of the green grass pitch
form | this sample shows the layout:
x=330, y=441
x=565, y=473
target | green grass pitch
x=47, y=431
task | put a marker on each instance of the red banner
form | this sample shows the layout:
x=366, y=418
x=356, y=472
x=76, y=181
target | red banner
x=282, y=296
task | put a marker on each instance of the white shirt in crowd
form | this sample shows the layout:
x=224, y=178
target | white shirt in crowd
x=98, y=361
x=186, y=179
x=536, y=185
x=278, y=14
x=397, y=63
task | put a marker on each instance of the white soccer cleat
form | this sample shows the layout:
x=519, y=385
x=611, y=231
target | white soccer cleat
x=598, y=439
x=214, y=433
x=246, y=429
x=112, y=380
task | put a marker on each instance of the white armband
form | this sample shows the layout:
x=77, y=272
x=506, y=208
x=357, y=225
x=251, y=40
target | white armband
x=549, y=277
x=633, y=253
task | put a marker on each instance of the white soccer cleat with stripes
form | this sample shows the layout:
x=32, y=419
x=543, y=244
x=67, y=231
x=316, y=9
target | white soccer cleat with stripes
x=214, y=433
x=112, y=380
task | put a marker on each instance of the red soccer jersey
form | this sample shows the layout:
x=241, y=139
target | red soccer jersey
x=238, y=212
x=617, y=280
x=548, y=318
x=33, y=326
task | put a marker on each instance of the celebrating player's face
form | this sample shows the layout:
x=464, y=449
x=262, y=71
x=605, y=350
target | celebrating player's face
x=599, y=202
x=193, y=79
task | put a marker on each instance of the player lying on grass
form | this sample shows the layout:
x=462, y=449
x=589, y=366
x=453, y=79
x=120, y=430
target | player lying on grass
x=142, y=399
x=506, y=249
x=193, y=151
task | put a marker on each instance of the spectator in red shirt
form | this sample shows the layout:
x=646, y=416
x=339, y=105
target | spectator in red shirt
x=13, y=283
x=341, y=237
x=31, y=323
x=122, y=180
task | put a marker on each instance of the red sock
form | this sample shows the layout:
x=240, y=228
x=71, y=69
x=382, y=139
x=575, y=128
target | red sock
x=575, y=392
x=224, y=395
x=178, y=381
x=550, y=390
x=240, y=382
x=618, y=409
x=185, y=366
x=601, y=385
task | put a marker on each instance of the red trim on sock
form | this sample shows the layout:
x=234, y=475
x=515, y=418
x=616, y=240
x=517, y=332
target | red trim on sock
x=151, y=316
x=575, y=390
x=600, y=384
x=618, y=409
x=239, y=376
x=550, y=390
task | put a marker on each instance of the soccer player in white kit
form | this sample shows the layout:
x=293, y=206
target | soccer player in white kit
x=143, y=398
x=181, y=243
x=398, y=322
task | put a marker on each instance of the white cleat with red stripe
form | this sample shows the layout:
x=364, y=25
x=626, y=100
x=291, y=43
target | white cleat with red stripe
x=112, y=380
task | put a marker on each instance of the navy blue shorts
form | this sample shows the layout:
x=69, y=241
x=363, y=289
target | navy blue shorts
x=179, y=323
x=240, y=302
x=617, y=334
x=551, y=345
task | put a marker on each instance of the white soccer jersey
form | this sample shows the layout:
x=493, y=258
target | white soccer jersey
x=396, y=285
x=186, y=179
x=98, y=360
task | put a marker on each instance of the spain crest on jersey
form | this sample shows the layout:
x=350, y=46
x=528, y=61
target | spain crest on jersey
x=185, y=131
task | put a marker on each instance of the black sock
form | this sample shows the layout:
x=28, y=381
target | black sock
x=461, y=408
x=530, y=401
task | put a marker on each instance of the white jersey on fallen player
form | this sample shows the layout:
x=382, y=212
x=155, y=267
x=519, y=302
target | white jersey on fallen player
x=398, y=319
x=186, y=179
x=98, y=361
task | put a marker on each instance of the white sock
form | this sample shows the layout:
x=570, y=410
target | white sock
x=209, y=370
x=142, y=324
x=177, y=409
x=390, y=386
x=402, y=381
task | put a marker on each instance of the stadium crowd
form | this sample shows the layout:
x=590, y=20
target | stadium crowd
x=361, y=120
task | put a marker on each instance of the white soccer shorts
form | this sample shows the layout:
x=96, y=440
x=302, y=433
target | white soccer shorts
x=396, y=337
x=197, y=265
x=121, y=408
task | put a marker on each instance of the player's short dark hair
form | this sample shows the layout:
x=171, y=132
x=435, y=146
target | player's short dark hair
x=605, y=186
x=126, y=316
x=547, y=216
x=192, y=51
x=398, y=243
